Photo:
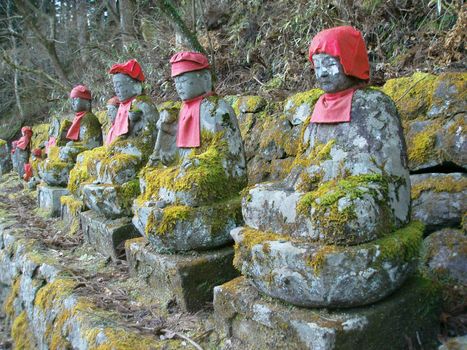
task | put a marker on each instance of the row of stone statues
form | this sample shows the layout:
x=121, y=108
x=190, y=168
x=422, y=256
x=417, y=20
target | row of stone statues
x=313, y=239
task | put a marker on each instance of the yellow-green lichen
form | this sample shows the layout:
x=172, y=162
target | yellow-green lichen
x=21, y=333
x=84, y=169
x=310, y=97
x=92, y=129
x=2, y=143
x=8, y=306
x=438, y=184
x=421, y=146
x=272, y=131
x=325, y=199
x=53, y=292
x=128, y=192
x=248, y=104
x=40, y=135
x=169, y=105
x=251, y=238
x=74, y=207
x=316, y=261
x=205, y=179
x=412, y=95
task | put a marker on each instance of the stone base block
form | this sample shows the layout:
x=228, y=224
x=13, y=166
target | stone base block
x=186, y=280
x=106, y=235
x=71, y=207
x=407, y=319
x=48, y=198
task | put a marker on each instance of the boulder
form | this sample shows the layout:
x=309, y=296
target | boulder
x=439, y=200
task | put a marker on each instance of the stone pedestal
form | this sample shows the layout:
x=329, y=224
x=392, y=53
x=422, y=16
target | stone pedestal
x=187, y=280
x=409, y=316
x=48, y=198
x=107, y=236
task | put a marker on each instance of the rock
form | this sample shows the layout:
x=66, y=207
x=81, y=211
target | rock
x=187, y=280
x=449, y=96
x=48, y=199
x=456, y=343
x=5, y=160
x=315, y=275
x=445, y=256
x=249, y=104
x=437, y=142
x=438, y=200
x=182, y=228
x=69, y=213
x=54, y=172
x=298, y=107
x=105, y=235
x=409, y=316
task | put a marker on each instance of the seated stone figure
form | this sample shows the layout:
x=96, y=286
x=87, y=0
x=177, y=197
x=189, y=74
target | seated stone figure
x=83, y=134
x=5, y=159
x=190, y=189
x=110, y=182
x=315, y=239
x=21, y=151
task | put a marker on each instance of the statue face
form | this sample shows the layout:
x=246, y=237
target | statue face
x=112, y=113
x=80, y=104
x=126, y=87
x=193, y=84
x=330, y=73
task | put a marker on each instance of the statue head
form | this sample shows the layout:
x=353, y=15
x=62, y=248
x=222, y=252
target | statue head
x=339, y=58
x=112, y=108
x=191, y=74
x=80, y=97
x=127, y=79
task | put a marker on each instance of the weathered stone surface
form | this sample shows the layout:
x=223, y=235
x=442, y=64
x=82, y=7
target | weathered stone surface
x=437, y=142
x=439, y=200
x=105, y=235
x=186, y=280
x=298, y=107
x=445, y=253
x=312, y=275
x=45, y=309
x=5, y=160
x=248, y=104
x=183, y=228
x=69, y=213
x=48, y=198
x=358, y=153
x=112, y=201
x=54, y=172
x=258, y=322
x=456, y=343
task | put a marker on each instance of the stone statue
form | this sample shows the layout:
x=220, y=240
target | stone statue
x=197, y=168
x=112, y=109
x=113, y=169
x=83, y=134
x=348, y=188
x=5, y=159
x=21, y=150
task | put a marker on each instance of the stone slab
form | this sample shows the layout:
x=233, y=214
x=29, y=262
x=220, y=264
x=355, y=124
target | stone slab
x=48, y=198
x=257, y=322
x=107, y=236
x=186, y=280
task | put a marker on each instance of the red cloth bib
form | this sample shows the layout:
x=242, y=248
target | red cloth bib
x=27, y=171
x=24, y=140
x=333, y=107
x=189, y=134
x=120, y=125
x=73, y=131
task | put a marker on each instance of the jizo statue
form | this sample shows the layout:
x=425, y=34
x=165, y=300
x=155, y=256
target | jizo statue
x=349, y=185
x=198, y=161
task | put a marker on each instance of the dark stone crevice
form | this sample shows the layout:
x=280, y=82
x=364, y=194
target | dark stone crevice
x=445, y=168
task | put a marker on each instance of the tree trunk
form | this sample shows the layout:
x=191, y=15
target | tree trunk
x=82, y=27
x=127, y=8
x=15, y=59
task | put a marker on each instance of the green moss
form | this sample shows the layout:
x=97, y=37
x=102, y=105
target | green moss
x=436, y=184
x=21, y=333
x=53, y=292
x=309, y=97
x=324, y=200
x=92, y=127
x=40, y=135
x=144, y=98
x=74, y=207
x=2, y=143
x=248, y=104
x=412, y=95
x=402, y=245
x=421, y=146
x=8, y=306
x=317, y=260
x=118, y=163
x=272, y=132
x=169, y=105
x=128, y=192
x=83, y=170
x=251, y=238
x=206, y=178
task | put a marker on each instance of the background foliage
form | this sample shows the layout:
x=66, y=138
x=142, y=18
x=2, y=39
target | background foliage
x=256, y=46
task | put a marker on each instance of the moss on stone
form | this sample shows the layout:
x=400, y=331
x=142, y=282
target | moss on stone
x=316, y=261
x=128, y=192
x=169, y=105
x=421, y=146
x=325, y=201
x=40, y=135
x=2, y=143
x=8, y=306
x=205, y=178
x=74, y=207
x=248, y=104
x=54, y=291
x=83, y=170
x=439, y=184
x=21, y=333
x=412, y=95
x=310, y=97
x=251, y=238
